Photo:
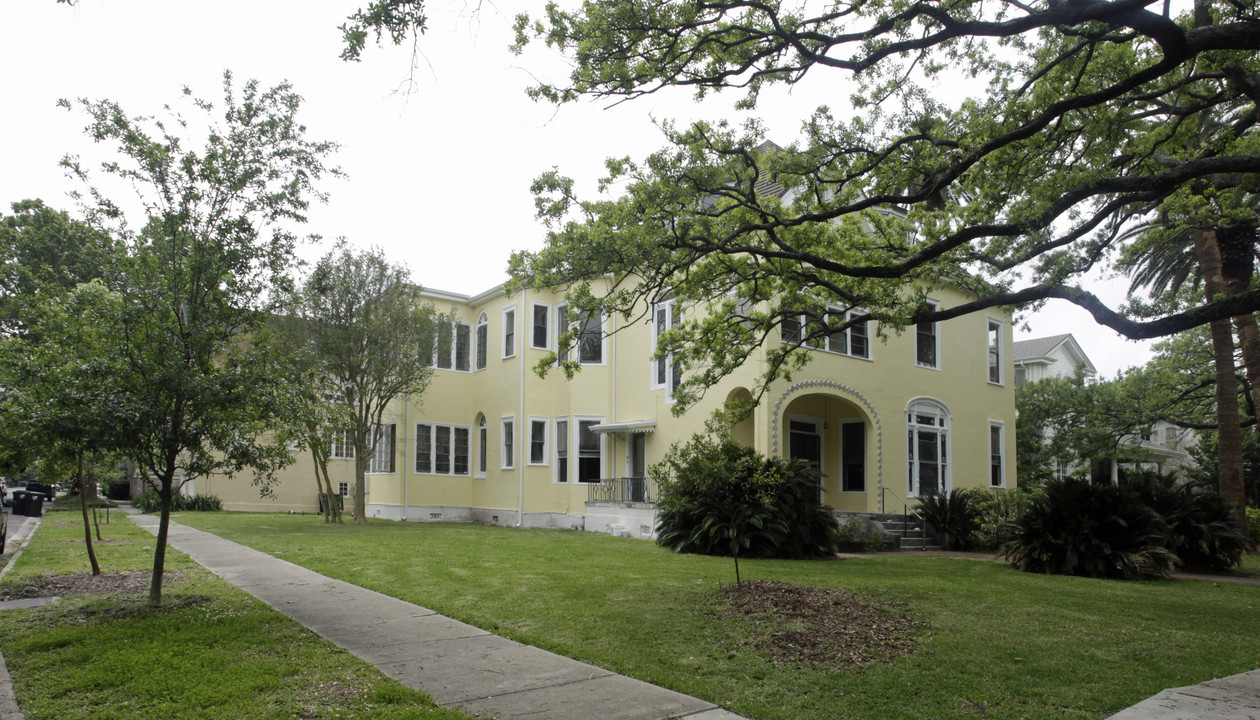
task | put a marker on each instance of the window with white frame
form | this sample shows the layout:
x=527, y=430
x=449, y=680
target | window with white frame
x=481, y=446
x=665, y=373
x=539, y=332
x=590, y=451
x=455, y=347
x=341, y=445
x=343, y=489
x=591, y=341
x=382, y=460
x=997, y=455
x=442, y=449
x=995, y=351
x=483, y=339
x=538, y=441
x=509, y=332
x=507, y=429
x=562, y=450
x=562, y=325
x=854, y=341
x=927, y=341
x=927, y=448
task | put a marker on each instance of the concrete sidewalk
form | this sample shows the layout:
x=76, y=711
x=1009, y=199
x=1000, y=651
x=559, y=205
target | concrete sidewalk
x=459, y=665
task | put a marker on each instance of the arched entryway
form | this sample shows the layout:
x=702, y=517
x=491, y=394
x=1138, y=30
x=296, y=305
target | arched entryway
x=835, y=427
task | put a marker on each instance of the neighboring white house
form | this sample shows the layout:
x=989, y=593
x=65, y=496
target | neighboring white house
x=1164, y=449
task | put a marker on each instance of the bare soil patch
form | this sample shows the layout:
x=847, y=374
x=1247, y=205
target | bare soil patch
x=821, y=626
x=84, y=584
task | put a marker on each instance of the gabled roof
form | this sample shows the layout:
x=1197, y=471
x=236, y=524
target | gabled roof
x=1040, y=349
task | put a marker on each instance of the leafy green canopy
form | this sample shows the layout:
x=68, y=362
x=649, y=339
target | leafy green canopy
x=1080, y=114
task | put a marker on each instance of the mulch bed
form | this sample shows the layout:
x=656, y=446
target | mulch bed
x=821, y=626
x=84, y=584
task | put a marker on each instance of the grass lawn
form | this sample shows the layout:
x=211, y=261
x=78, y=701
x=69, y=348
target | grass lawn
x=996, y=642
x=212, y=652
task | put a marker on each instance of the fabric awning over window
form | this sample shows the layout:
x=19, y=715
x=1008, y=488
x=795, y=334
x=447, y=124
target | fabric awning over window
x=626, y=428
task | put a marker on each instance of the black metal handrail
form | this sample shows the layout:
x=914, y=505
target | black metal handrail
x=622, y=489
x=905, y=512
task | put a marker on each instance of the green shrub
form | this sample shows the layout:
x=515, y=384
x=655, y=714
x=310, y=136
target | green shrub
x=1202, y=529
x=149, y=502
x=718, y=497
x=1077, y=528
x=998, y=511
x=952, y=515
x=853, y=534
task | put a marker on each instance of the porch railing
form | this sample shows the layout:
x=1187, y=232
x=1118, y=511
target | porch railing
x=623, y=489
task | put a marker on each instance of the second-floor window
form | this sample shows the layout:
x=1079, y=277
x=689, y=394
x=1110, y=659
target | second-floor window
x=483, y=339
x=509, y=332
x=855, y=340
x=665, y=373
x=995, y=352
x=538, y=329
x=455, y=347
x=927, y=341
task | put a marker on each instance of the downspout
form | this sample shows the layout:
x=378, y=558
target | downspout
x=520, y=466
x=406, y=474
x=612, y=455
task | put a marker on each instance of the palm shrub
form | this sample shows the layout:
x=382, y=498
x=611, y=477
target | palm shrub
x=149, y=502
x=1202, y=529
x=952, y=515
x=1077, y=528
x=718, y=497
x=1253, y=526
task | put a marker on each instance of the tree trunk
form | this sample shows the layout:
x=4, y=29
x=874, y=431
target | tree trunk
x=164, y=525
x=87, y=526
x=334, y=510
x=1229, y=430
x=1237, y=246
x=320, y=484
x=360, y=487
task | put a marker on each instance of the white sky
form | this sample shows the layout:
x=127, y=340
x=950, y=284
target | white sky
x=439, y=178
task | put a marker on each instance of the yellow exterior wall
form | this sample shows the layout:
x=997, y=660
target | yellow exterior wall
x=832, y=388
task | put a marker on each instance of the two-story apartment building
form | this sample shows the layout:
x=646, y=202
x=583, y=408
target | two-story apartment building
x=926, y=410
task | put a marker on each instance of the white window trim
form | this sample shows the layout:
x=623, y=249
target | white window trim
x=1001, y=428
x=433, y=426
x=603, y=344
x=943, y=411
x=936, y=338
x=509, y=351
x=454, y=356
x=819, y=429
x=504, y=436
x=478, y=344
x=483, y=437
x=848, y=336
x=575, y=449
x=569, y=429
x=546, y=425
x=669, y=360
x=1001, y=339
x=377, y=449
x=343, y=489
x=550, y=325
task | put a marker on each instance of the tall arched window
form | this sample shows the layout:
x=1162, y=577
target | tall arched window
x=481, y=446
x=483, y=337
x=927, y=448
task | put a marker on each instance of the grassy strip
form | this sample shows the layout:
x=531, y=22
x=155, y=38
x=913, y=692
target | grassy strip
x=211, y=652
x=999, y=643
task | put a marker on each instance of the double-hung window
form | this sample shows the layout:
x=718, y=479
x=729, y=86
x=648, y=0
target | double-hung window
x=927, y=338
x=590, y=451
x=507, y=458
x=997, y=455
x=591, y=341
x=481, y=447
x=855, y=340
x=382, y=459
x=538, y=441
x=539, y=332
x=509, y=332
x=483, y=339
x=341, y=445
x=562, y=450
x=455, y=347
x=995, y=351
x=562, y=326
x=665, y=372
x=442, y=449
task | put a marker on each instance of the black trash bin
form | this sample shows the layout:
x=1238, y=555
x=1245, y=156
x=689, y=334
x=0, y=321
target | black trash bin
x=19, y=502
x=34, y=505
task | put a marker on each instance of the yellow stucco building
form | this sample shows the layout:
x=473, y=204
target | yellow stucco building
x=929, y=409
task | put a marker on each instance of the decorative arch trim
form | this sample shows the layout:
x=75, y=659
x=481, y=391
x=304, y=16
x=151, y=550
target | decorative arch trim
x=844, y=390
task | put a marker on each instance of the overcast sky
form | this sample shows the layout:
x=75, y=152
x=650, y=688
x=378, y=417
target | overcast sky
x=438, y=177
